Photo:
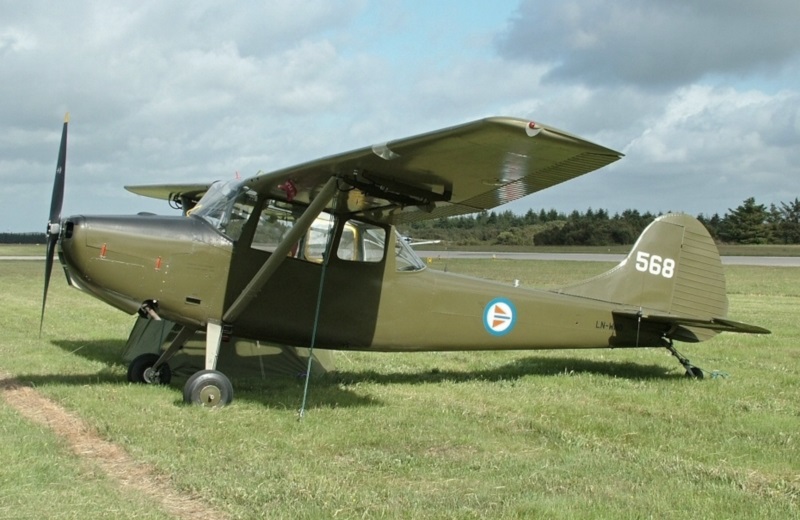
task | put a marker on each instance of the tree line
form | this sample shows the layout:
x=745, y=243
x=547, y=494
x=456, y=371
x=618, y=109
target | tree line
x=23, y=238
x=749, y=223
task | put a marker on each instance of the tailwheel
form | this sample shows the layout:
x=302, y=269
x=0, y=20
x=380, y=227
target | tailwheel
x=692, y=372
x=141, y=371
x=208, y=388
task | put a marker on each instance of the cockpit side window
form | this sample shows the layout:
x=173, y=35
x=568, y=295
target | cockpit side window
x=315, y=242
x=229, y=205
x=361, y=242
x=273, y=223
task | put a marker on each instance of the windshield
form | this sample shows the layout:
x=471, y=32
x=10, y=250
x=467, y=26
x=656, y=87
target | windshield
x=226, y=206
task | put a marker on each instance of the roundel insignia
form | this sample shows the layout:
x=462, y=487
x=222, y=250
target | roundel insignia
x=499, y=316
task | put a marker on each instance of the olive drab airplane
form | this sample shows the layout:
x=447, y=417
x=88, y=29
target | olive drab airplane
x=309, y=256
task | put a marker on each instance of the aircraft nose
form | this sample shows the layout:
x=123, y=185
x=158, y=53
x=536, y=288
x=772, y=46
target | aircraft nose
x=70, y=254
x=69, y=227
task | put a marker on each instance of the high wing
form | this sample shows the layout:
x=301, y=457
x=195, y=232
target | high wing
x=462, y=169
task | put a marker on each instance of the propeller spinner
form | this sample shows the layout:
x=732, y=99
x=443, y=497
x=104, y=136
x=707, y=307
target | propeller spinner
x=54, y=221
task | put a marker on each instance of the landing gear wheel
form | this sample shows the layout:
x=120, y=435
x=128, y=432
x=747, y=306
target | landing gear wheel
x=208, y=388
x=141, y=371
x=694, y=373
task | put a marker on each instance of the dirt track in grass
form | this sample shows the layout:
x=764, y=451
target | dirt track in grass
x=131, y=475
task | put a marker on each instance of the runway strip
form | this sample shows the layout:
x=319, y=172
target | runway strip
x=130, y=474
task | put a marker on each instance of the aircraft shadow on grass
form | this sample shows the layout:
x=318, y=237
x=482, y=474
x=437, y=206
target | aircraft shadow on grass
x=331, y=390
x=529, y=366
x=277, y=391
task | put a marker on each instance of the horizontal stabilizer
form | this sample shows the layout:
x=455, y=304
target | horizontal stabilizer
x=715, y=324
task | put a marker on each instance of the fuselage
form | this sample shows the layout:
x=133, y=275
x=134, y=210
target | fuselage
x=191, y=273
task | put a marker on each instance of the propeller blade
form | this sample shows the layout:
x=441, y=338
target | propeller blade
x=48, y=268
x=58, y=184
x=54, y=222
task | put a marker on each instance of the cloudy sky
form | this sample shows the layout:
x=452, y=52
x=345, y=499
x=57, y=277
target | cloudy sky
x=702, y=97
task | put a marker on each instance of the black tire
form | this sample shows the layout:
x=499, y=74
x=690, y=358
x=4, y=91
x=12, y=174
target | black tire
x=208, y=388
x=694, y=373
x=141, y=371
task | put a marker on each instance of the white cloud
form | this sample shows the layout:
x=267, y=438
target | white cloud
x=194, y=91
x=654, y=44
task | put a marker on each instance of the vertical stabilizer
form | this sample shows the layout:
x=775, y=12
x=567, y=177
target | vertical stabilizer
x=674, y=268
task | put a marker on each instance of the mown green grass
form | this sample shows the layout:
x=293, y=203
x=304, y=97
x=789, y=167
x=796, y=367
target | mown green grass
x=40, y=478
x=22, y=250
x=561, y=434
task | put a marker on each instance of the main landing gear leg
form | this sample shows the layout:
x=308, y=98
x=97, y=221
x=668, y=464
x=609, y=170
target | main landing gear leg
x=692, y=371
x=209, y=387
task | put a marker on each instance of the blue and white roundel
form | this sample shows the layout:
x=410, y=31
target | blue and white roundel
x=499, y=316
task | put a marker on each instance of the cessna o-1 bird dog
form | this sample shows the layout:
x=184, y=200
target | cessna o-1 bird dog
x=309, y=256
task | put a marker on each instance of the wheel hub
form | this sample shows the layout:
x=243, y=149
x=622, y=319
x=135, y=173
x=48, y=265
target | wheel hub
x=151, y=376
x=210, y=396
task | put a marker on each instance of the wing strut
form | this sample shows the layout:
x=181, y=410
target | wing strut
x=300, y=227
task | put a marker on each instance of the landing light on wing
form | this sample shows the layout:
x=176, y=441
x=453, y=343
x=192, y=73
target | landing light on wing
x=533, y=129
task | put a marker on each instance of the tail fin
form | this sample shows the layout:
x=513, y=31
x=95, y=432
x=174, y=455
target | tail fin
x=671, y=285
x=673, y=269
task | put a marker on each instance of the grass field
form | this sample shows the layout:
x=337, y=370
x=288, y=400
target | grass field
x=22, y=250
x=560, y=434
